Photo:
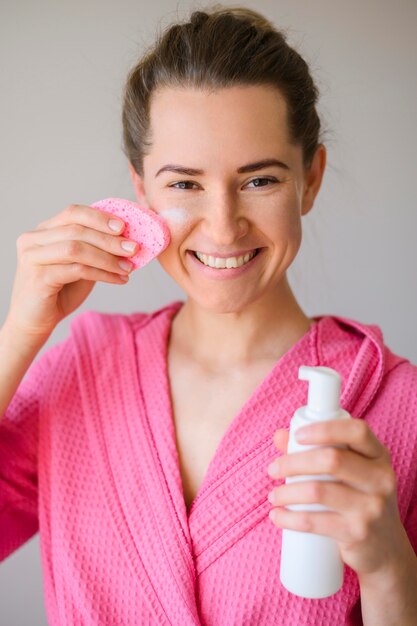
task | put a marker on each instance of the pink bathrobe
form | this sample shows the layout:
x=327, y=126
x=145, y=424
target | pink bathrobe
x=88, y=458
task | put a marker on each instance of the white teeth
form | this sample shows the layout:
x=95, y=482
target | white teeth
x=220, y=263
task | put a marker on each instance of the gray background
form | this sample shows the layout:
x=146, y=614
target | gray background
x=63, y=66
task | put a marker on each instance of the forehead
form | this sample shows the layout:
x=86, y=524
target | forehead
x=243, y=113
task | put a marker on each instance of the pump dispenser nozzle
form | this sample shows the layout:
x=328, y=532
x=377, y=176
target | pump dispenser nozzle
x=323, y=389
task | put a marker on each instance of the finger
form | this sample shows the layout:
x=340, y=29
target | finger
x=337, y=496
x=280, y=438
x=325, y=523
x=342, y=464
x=355, y=433
x=76, y=252
x=78, y=232
x=86, y=216
x=59, y=275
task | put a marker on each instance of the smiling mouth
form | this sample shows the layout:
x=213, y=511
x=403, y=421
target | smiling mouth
x=224, y=263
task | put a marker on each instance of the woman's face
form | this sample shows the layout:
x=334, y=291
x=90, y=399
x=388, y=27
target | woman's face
x=226, y=209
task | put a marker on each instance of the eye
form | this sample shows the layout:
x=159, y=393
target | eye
x=182, y=182
x=256, y=180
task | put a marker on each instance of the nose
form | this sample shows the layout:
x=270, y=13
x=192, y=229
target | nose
x=224, y=221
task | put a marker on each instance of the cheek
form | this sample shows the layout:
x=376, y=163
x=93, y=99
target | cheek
x=280, y=222
x=291, y=224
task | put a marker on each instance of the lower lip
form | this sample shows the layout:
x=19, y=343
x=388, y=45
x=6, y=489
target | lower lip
x=223, y=273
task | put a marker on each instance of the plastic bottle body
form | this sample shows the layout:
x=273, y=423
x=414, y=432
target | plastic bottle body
x=306, y=550
x=311, y=565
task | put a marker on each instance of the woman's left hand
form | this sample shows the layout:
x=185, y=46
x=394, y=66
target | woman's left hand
x=365, y=520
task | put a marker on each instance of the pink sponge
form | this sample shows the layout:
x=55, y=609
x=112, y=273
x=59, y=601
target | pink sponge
x=142, y=225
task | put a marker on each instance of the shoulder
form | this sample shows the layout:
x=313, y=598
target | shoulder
x=370, y=370
x=95, y=329
x=361, y=338
x=400, y=381
x=134, y=320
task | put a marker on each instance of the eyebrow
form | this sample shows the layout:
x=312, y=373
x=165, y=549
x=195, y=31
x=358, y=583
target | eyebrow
x=249, y=167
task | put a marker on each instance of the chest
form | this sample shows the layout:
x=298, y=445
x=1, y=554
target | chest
x=203, y=407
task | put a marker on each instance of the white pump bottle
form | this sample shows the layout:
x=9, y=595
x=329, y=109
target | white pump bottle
x=311, y=565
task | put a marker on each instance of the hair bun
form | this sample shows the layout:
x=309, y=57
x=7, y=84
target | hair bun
x=198, y=18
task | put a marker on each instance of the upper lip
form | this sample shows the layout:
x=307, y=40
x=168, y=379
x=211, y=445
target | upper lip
x=225, y=256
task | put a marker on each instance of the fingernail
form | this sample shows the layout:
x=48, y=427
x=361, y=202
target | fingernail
x=129, y=245
x=273, y=468
x=125, y=265
x=271, y=497
x=115, y=225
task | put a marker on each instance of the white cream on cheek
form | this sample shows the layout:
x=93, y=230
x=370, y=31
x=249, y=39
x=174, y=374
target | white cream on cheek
x=175, y=216
x=179, y=222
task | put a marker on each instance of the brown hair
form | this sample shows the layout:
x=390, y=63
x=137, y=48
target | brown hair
x=220, y=47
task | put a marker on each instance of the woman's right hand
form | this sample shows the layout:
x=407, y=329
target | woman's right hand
x=58, y=265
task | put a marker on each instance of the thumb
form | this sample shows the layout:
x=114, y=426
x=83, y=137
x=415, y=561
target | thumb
x=281, y=439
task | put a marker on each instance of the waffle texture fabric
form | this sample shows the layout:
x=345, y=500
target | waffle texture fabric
x=88, y=458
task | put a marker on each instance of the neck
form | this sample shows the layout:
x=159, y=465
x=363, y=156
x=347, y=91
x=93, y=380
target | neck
x=264, y=329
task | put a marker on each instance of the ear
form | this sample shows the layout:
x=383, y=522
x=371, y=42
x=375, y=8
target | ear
x=314, y=177
x=138, y=185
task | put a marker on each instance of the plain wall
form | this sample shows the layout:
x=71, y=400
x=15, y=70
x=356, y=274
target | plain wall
x=63, y=66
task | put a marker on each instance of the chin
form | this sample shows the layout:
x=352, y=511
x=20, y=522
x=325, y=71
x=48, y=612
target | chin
x=221, y=305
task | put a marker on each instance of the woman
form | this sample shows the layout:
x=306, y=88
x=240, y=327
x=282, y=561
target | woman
x=144, y=465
